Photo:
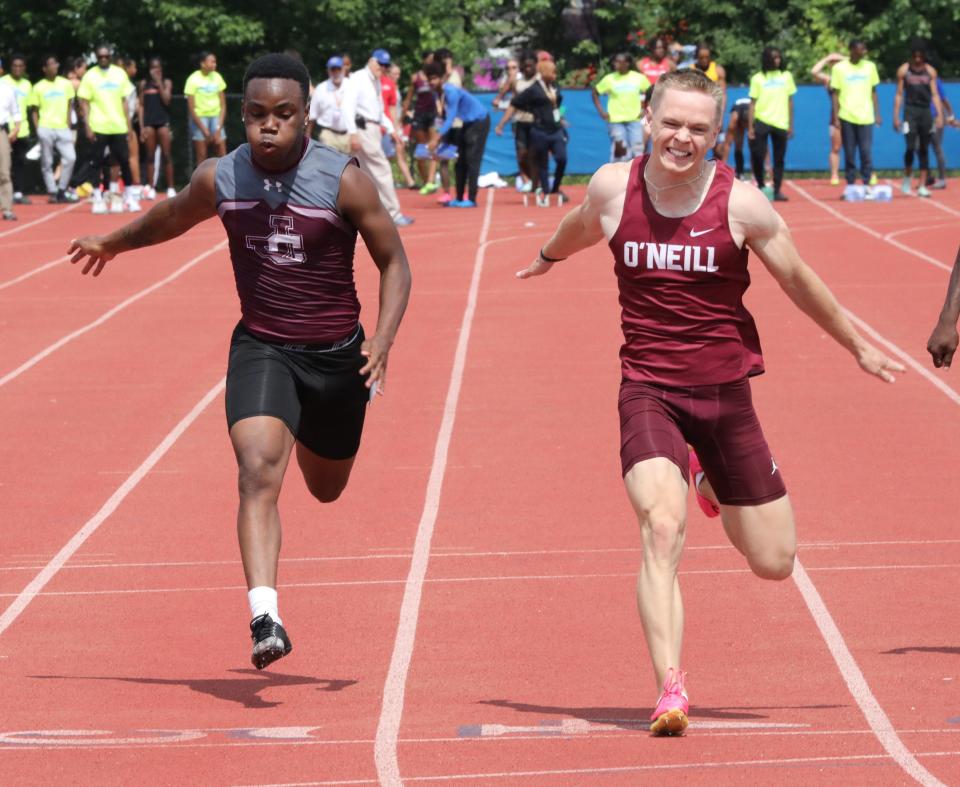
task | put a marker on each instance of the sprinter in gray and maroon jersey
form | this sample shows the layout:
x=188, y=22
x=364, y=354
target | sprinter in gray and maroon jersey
x=301, y=370
x=679, y=228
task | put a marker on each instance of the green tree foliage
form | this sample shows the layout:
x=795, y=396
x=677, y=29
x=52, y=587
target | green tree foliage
x=578, y=32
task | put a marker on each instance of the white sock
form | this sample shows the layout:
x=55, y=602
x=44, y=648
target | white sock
x=698, y=479
x=263, y=600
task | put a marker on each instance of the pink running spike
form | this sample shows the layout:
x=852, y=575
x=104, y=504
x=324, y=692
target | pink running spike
x=670, y=715
x=708, y=507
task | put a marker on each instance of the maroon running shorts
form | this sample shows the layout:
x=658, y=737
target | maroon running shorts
x=717, y=420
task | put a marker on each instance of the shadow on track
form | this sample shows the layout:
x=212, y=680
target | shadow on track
x=244, y=690
x=948, y=649
x=639, y=718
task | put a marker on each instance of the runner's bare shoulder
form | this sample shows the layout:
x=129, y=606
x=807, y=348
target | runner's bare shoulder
x=608, y=183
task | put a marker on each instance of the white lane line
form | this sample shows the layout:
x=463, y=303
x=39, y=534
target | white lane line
x=199, y=738
x=854, y=678
x=934, y=204
x=922, y=227
x=388, y=726
x=107, y=315
x=19, y=565
x=864, y=228
x=904, y=356
x=334, y=583
x=52, y=214
x=763, y=763
x=33, y=272
x=30, y=592
x=857, y=683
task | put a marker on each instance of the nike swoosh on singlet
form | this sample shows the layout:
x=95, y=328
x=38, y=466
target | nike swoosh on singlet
x=695, y=233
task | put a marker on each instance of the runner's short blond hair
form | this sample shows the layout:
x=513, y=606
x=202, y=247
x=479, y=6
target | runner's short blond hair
x=689, y=79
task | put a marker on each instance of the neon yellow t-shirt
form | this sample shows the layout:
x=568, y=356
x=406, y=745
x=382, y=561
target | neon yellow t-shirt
x=52, y=99
x=626, y=95
x=206, y=92
x=772, y=90
x=106, y=90
x=22, y=88
x=854, y=85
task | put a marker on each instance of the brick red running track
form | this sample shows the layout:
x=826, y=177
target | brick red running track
x=527, y=664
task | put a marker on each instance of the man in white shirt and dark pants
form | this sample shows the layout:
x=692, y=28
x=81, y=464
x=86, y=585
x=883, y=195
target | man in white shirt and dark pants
x=326, y=108
x=363, y=115
x=10, y=119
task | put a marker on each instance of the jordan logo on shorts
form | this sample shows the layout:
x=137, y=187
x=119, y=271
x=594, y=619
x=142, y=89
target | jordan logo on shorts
x=773, y=464
x=283, y=246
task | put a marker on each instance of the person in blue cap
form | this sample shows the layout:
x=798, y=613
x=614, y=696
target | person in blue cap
x=363, y=115
x=325, y=108
x=472, y=138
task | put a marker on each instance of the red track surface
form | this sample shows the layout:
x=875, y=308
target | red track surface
x=528, y=664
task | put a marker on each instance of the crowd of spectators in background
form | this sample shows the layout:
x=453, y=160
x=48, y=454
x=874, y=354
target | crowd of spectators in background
x=99, y=132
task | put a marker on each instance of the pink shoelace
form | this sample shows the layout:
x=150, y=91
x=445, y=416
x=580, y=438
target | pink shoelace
x=672, y=696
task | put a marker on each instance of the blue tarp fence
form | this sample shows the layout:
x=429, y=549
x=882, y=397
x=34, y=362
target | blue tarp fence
x=589, y=146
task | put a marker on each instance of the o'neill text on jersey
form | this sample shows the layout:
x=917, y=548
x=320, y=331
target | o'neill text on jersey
x=670, y=256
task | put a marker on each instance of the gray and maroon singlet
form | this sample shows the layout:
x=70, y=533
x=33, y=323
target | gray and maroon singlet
x=292, y=251
x=681, y=290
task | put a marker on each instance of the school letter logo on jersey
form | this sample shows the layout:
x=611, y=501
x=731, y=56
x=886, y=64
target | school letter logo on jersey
x=283, y=246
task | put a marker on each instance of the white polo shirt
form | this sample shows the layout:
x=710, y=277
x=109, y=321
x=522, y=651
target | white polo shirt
x=364, y=99
x=327, y=104
x=9, y=106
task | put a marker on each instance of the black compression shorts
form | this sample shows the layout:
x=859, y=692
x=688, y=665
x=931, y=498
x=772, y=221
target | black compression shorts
x=316, y=391
x=521, y=137
x=423, y=121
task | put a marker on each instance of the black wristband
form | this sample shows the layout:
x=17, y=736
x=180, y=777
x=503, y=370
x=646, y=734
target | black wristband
x=545, y=258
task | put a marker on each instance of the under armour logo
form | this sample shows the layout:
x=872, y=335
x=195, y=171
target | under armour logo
x=283, y=246
x=276, y=184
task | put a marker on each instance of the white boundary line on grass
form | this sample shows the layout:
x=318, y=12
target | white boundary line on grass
x=37, y=584
x=106, y=315
x=52, y=214
x=391, y=712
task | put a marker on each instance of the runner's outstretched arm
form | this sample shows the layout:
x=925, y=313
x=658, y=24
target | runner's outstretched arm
x=360, y=203
x=580, y=228
x=944, y=339
x=766, y=233
x=165, y=220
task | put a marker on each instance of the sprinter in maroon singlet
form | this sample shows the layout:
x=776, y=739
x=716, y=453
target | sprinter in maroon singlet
x=679, y=228
x=300, y=371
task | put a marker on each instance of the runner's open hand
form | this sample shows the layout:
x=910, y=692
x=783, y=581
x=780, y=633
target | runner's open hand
x=943, y=344
x=92, y=247
x=536, y=268
x=375, y=350
x=872, y=361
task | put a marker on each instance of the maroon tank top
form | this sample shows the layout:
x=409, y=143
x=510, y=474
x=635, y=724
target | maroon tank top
x=292, y=250
x=681, y=291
